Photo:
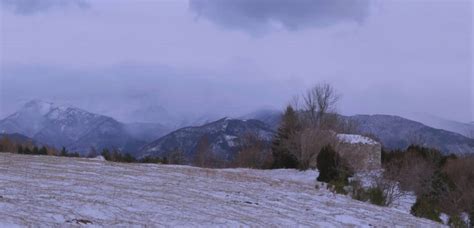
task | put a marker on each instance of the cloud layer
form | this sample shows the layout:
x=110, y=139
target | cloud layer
x=259, y=16
x=27, y=7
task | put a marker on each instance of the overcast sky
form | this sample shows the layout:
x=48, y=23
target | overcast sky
x=217, y=57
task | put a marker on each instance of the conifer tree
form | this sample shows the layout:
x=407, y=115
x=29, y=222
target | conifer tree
x=43, y=151
x=284, y=145
x=64, y=152
x=20, y=149
x=27, y=150
x=327, y=163
x=35, y=150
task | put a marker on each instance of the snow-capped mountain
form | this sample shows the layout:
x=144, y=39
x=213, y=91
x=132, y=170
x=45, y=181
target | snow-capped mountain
x=224, y=137
x=71, y=127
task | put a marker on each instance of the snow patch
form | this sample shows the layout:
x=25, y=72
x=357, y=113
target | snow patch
x=356, y=139
x=98, y=158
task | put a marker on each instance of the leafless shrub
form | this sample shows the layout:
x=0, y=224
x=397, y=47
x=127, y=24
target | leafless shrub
x=253, y=153
x=176, y=157
x=412, y=172
x=205, y=157
x=7, y=145
x=311, y=141
x=461, y=174
x=92, y=153
x=390, y=188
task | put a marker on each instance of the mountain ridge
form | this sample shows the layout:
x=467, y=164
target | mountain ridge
x=224, y=137
x=71, y=127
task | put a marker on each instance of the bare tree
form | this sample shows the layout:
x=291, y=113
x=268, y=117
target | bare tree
x=202, y=157
x=319, y=123
x=205, y=157
x=295, y=103
x=461, y=197
x=177, y=157
x=253, y=153
x=311, y=141
x=412, y=172
x=389, y=184
x=92, y=153
x=319, y=101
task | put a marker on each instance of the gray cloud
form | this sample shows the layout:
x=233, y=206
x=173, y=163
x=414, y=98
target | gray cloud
x=28, y=7
x=258, y=16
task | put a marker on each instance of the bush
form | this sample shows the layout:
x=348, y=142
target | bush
x=471, y=217
x=117, y=156
x=65, y=153
x=339, y=186
x=456, y=221
x=327, y=164
x=331, y=167
x=332, y=170
x=150, y=159
x=426, y=207
x=43, y=151
x=376, y=196
x=358, y=192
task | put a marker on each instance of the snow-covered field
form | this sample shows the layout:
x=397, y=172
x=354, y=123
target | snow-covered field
x=53, y=191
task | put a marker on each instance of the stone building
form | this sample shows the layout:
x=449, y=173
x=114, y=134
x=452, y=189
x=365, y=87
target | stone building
x=361, y=153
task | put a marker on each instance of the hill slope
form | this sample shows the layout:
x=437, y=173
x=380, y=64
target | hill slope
x=466, y=129
x=77, y=191
x=18, y=139
x=223, y=135
x=397, y=132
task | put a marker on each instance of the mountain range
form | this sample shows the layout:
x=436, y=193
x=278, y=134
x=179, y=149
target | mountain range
x=79, y=131
x=76, y=129
x=394, y=132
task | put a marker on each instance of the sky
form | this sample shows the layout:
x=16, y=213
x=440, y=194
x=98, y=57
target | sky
x=183, y=59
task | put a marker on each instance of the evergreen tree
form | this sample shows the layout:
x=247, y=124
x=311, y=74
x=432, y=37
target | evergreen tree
x=128, y=158
x=106, y=154
x=20, y=149
x=64, y=152
x=327, y=162
x=284, y=145
x=43, y=151
x=35, y=150
x=27, y=150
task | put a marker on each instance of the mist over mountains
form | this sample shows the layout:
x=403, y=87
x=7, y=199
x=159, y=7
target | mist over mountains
x=83, y=131
x=74, y=128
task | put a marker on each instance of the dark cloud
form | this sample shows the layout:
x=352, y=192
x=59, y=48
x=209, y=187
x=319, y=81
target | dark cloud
x=258, y=15
x=27, y=7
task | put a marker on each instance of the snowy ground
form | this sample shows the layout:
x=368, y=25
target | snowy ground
x=53, y=191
